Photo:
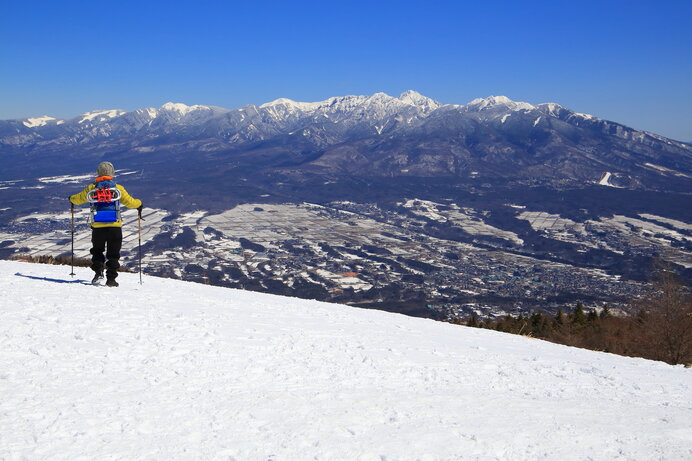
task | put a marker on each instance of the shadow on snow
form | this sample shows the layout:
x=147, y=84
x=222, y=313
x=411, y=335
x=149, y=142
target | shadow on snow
x=47, y=279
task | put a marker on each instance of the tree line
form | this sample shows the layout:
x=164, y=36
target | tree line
x=660, y=327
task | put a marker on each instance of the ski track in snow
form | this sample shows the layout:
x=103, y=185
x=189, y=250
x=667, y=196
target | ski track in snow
x=179, y=371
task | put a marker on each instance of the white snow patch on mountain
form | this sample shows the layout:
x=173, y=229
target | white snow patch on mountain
x=151, y=112
x=605, y=180
x=586, y=116
x=553, y=108
x=673, y=222
x=177, y=371
x=66, y=179
x=182, y=109
x=665, y=170
x=498, y=101
x=33, y=122
x=303, y=106
x=101, y=115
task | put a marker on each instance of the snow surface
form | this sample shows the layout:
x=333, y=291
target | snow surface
x=180, y=371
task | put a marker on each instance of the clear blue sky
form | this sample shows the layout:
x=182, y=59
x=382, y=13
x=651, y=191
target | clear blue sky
x=627, y=61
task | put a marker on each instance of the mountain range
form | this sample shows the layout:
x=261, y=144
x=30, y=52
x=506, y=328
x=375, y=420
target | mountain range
x=492, y=138
x=494, y=206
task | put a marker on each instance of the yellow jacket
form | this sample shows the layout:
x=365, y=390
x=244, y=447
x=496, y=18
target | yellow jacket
x=125, y=199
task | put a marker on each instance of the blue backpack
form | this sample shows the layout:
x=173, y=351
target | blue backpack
x=105, y=202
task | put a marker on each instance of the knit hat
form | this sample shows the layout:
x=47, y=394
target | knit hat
x=105, y=169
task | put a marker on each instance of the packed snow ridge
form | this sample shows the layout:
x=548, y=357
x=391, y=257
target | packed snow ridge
x=174, y=370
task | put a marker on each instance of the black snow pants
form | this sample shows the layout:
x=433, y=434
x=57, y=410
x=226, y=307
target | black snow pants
x=108, y=239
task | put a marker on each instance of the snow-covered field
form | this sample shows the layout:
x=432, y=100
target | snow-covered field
x=466, y=218
x=58, y=241
x=170, y=370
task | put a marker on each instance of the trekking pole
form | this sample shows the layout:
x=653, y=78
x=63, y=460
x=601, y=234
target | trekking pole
x=139, y=225
x=72, y=258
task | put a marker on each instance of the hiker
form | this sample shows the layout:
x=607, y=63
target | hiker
x=105, y=197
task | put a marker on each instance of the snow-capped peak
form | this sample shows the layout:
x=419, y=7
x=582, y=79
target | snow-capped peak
x=101, y=115
x=176, y=111
x=290, y=103
x=414, y=98
x=551, y=108
x=181, y=108
x=411, y=95
x=34, y=122
x=408, y=98
x=276, y=102
x=556, y=110
x=498, y=101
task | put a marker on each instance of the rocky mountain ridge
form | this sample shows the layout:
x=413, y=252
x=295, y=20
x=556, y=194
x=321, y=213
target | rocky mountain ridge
x=491, y=138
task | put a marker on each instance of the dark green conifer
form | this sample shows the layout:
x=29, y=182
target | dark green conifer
x=578, y=316
x=538, y=324
x=605, y=313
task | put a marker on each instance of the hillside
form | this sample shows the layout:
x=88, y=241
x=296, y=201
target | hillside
x=175, y=370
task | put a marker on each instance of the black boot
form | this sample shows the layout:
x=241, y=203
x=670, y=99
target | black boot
x=98, y=278
x=111, y=283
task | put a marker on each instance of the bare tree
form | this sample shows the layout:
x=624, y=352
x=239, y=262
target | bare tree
x=667, y=314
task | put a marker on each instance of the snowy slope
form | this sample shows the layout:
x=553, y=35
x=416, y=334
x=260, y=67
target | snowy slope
x=178, y=371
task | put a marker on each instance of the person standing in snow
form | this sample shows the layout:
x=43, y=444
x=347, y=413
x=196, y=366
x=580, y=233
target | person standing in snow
x=106, y=224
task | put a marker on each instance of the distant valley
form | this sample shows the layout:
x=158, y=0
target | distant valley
x=401, y=203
